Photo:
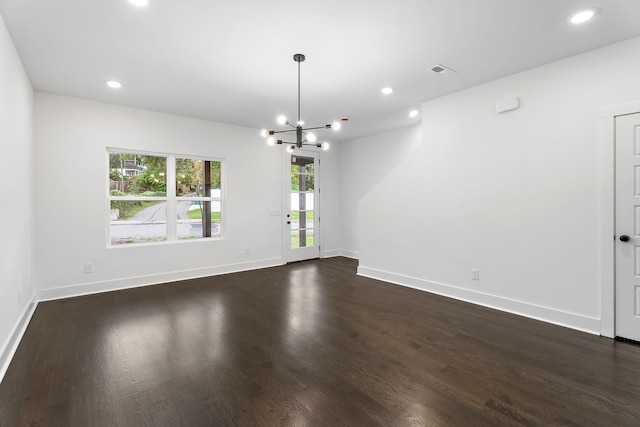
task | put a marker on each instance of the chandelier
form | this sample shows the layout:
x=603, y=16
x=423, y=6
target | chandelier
x=303, y=136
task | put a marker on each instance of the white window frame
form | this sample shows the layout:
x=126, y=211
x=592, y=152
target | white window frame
x=171, y=198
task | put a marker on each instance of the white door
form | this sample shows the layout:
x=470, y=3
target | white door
x=628, y=226
x=301, y=236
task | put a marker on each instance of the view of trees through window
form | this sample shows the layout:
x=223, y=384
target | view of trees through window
x=154, y=198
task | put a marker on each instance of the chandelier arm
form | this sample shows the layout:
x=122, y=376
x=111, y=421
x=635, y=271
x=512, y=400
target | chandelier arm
x=281, y=142
x=295, y=128
x=313, y=128
x=294, y=144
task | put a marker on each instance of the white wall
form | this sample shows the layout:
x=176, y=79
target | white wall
x=16, y=146
x=515, y=195
x=71, y=137
x=364, y=162
x=330, y=190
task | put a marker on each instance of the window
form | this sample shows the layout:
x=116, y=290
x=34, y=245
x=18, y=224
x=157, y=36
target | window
x=198, y=198
x=156, y=198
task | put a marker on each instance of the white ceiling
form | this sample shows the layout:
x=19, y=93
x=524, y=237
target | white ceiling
x=231, y=61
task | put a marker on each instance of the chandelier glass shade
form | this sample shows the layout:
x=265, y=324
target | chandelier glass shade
x=303, y=136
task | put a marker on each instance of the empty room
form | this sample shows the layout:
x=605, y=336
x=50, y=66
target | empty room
x=296, y=213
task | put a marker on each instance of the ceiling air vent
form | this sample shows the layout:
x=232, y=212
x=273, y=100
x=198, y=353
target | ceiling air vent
x=442, y=70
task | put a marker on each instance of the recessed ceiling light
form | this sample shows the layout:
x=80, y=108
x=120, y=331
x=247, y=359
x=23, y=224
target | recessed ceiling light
x=413, y=113
x=387, y=90
x=114, y=84
x=583, y=16
x=140, y=3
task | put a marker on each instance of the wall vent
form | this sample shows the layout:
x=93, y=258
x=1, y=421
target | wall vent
x=442, y=70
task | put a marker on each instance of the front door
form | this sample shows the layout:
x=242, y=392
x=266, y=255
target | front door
x=628, y=226
x=302, y=240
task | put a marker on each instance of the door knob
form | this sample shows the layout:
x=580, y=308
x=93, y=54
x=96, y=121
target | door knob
x=289, y=222
x=624, y=238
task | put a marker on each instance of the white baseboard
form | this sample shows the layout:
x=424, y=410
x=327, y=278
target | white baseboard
x=350, y=254
x=19, y=329
x=340, y=252
x=545, y=314
x=153, y=279
x=332, y=253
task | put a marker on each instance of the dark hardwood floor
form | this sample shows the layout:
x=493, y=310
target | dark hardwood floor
x=308, y=344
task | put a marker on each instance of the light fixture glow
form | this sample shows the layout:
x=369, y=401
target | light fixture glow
x=413, y=113
x=386, y=90
x=140, y=3
x=583, y=16
x=302, y=135
x=114, y=84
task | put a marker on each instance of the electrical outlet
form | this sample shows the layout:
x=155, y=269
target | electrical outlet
x=88, y=267
x=475, y=274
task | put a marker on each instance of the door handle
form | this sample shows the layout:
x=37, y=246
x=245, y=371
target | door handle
x=288, y=222
x=624, y=238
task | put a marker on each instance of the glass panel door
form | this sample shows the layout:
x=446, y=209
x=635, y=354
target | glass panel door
x=301, y=237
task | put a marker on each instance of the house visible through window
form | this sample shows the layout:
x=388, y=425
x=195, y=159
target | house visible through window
x=156, y=198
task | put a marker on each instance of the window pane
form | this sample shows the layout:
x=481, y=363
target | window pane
x=295, y=220
x=137, y=221
x=301, y=182
x=302, y=219
x=310, y=238
x=308, y=197
x=198, y=178
x=139, y=210
x=295, y=239
x=137, y=174
x=301, y=238
x=309, y=182
x=309, y=219
x=302, y=201
x=216, y=176
x=191, y=224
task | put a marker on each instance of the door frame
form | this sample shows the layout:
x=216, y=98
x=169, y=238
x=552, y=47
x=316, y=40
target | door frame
x=607, y=147
x=286, y=200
